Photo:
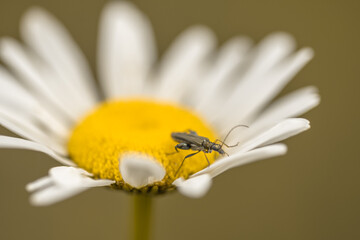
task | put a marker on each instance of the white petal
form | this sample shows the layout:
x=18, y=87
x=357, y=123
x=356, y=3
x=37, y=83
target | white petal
x=64, y=91
x=269, y=70
x=62, y=183
x=39, y=184
x=71, y=177
x=10, y=142
x=181, y=63
x=17, y=101
x=262, y=60
x=291, y=105
x=54, y=194
x=242, y=158
x=195, y=187
x=282, y=75
x=13, y=54
x=284, y=129
x=31, y=132
x=126, y=49
x=68, y=176
x=10, y=117
x=11, y=90
x=231, y=56
x=48, y=37
x=268, y=53
x=249, y=100
x=139, y=170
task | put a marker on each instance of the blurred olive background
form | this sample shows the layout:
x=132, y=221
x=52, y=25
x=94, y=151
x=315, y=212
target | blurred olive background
x=311, y=193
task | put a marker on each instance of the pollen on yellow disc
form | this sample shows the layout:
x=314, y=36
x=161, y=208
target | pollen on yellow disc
x=117, y=127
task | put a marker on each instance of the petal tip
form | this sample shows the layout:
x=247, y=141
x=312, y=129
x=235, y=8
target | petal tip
x=280, y=39
x=201, y=31
x=122, y=7
x=281, y=36
x=281, y=148
x=308, y=53
x=33, y=15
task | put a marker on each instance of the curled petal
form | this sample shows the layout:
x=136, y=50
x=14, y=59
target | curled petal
x=62, y=183
x=195, y=187
x=139, y=170
x=241, y=158
x=11, y=142
x=284, y=129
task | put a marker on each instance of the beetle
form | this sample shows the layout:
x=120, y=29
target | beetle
x=190, y=140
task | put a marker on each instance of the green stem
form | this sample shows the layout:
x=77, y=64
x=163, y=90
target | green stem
x=142, y=217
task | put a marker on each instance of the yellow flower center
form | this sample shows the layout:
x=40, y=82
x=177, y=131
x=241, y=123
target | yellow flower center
x=115, y=128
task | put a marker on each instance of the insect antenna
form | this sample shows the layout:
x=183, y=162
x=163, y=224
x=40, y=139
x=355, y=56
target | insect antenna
x=223, y=142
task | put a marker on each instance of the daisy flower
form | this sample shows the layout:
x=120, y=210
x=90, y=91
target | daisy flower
x=119, y=134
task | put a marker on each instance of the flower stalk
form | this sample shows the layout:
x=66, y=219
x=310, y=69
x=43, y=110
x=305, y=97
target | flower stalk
x=142, y=216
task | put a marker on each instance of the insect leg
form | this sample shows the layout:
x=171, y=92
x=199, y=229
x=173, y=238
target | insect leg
x=190, y=155
x=183, y=146
x=207, y=159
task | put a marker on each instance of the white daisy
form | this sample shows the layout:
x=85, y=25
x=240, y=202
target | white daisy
x=124, y=140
